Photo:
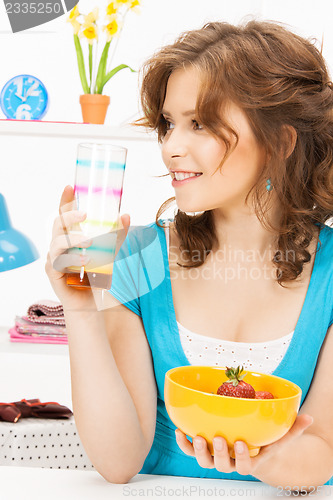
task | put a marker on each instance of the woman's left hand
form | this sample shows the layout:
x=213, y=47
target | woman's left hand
x=243, y=463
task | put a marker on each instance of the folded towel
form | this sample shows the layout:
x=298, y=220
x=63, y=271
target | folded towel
x=46, y=311
x=25, y=326
x=15, y=336
x=26, y=408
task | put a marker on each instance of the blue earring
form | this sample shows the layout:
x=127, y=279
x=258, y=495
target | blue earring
x=269, y=186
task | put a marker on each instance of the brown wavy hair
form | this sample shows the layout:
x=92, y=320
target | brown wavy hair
x=278, y=79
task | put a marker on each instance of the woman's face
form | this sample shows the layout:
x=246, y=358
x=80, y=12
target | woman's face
x=188, y=148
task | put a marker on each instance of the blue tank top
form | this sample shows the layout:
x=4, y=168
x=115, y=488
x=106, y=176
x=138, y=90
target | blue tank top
x=141, y=281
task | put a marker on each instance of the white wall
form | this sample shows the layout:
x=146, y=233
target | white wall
x=48, y=51
x=34, y=170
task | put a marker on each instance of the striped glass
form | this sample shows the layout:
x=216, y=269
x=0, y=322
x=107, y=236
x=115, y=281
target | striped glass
x=98, y=190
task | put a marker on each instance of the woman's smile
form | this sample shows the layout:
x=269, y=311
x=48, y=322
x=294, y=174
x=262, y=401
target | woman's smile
x=180, y=178
x=176, y=183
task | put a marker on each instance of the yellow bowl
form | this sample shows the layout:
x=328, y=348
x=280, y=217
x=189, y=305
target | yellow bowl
x=195, y=408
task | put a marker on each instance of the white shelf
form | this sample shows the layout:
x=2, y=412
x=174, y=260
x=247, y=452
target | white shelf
x=74, y=130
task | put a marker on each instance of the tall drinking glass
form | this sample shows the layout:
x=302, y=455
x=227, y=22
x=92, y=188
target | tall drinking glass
x=98, y=190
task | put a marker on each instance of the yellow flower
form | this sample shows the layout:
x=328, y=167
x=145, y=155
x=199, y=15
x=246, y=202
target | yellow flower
x=90, y=32
x=74, y=13
x=111, y=28
x=91, y=17
x=134, y=4
x=131, y=4
x=111, y=9
x=72, y=18
x=76, y=26
x=120, y=3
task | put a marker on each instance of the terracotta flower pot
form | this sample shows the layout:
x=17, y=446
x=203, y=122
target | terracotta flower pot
x=94, y=107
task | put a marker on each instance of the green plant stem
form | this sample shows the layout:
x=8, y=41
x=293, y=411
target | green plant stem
x=114, y=71
x=102, y=69
x=80, y=62
x=90, y=65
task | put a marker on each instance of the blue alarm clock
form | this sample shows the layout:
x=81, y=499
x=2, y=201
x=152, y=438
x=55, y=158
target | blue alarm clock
x=24, y=97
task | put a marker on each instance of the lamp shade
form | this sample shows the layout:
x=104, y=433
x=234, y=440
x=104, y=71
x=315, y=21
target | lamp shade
x=16, y=249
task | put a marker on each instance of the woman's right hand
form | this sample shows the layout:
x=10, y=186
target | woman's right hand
x=58, y=260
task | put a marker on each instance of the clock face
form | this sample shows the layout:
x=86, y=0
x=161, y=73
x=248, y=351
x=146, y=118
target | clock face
x=24, y=97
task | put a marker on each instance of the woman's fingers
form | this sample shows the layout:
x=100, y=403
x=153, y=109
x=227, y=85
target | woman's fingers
x=184, y=443
x=222, y=459
x=67, y=201
x=122, y=231
x=61, y=244
x=243, y=463
x=72, y=240
x=67, y=233
x=67, y=221
x=202, y=454
x=64, y=261
x=198, y=449
x=125, y=220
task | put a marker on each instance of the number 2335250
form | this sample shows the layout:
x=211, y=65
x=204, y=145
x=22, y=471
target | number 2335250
x=33, y=8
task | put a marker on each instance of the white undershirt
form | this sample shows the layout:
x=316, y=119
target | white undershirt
x=256, y=356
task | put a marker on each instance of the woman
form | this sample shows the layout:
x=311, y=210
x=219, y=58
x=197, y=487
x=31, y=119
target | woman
x=243, y=273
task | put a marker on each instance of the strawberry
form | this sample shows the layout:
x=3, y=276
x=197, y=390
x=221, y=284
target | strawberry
x=235, y=386
x=264, y=395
